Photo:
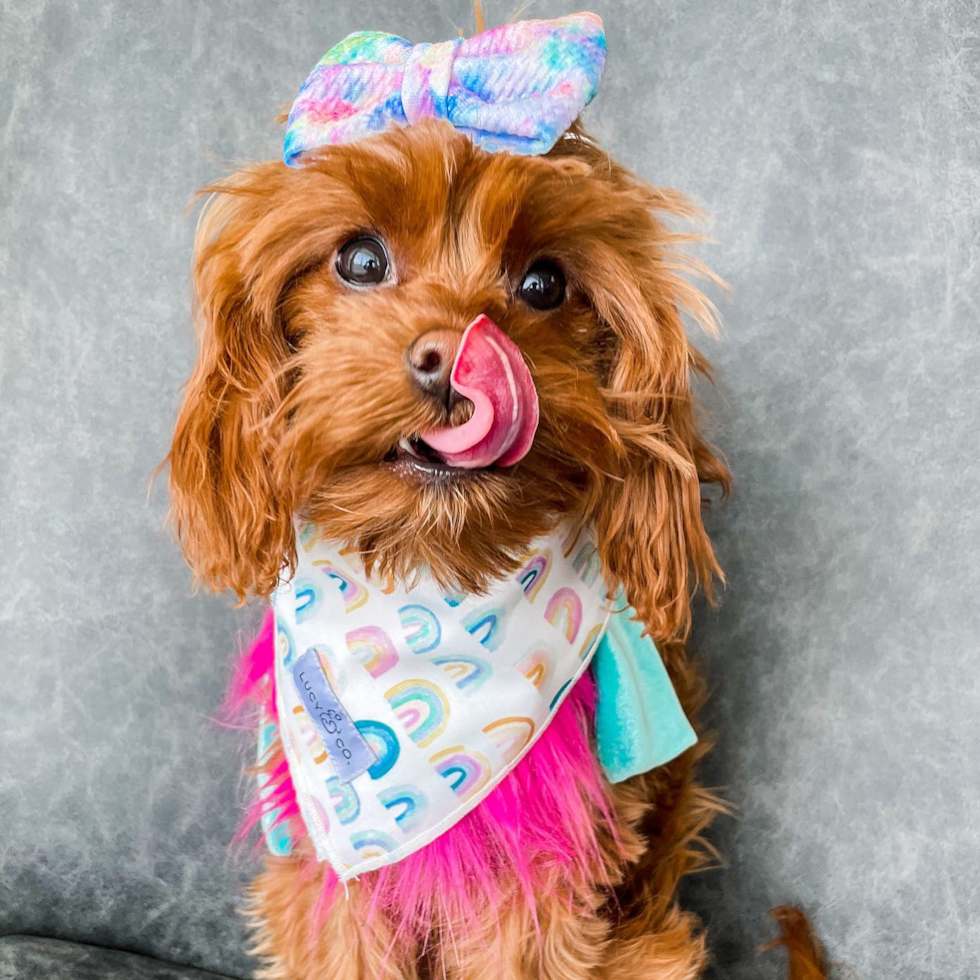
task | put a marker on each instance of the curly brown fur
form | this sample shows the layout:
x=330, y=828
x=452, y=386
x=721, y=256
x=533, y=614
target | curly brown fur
x=301, y=392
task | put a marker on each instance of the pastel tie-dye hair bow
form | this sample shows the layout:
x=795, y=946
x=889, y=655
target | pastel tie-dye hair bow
x=514, y=88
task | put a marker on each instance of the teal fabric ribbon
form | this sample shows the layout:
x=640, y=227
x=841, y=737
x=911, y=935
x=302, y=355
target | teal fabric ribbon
x=639, y=722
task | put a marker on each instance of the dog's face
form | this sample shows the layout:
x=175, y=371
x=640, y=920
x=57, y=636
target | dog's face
x=332, y=302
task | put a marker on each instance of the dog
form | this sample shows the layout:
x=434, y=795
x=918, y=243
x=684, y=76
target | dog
x=333, y=302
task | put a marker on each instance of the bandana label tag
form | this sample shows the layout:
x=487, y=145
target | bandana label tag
x=349, y=752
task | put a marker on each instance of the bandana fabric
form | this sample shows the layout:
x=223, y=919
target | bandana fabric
x=400, y=708
x=515, y=88
x=639, y=722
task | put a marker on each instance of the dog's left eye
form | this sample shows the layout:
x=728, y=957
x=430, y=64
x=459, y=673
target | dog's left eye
x=363, y=261
x=543, y=286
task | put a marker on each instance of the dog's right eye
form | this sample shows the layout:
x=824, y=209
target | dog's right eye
x=363, y=262
x=543, y=286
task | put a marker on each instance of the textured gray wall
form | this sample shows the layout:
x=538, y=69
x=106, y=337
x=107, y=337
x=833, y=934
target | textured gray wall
x=837, y=147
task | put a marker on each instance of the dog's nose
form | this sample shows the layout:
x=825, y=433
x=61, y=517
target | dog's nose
x=430, y=361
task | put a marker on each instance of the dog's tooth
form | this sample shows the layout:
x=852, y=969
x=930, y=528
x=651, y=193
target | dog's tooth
x=405, y=444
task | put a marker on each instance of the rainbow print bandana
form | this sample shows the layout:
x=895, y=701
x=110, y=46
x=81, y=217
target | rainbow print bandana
x=515, y=88
x=401, y=708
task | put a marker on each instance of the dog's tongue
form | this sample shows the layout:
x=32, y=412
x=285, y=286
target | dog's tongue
x=490, y=371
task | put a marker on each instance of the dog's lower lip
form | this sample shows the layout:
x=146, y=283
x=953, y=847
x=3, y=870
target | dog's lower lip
x=412, y=456
x=409, y=466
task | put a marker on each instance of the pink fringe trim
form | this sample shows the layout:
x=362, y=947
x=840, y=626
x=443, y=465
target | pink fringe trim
x=253, y=683
x=536, y=830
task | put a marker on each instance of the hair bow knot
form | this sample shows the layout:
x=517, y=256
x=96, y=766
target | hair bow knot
x=514, y=88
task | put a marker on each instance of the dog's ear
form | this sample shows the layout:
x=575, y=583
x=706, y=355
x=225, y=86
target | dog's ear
x=233, y=520
x=648, y=519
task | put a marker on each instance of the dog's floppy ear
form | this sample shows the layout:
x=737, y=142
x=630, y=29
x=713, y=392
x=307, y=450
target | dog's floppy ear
x=648, y=520
x=233, y=520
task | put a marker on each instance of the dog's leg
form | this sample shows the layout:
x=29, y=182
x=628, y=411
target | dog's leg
x=296, y=940
x=566, y=943
x=566, y=933
x=654, y=938
x=582, y=934
x=674, y=953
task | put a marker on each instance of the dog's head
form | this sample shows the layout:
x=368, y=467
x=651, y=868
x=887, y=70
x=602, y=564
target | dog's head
x=333, y=299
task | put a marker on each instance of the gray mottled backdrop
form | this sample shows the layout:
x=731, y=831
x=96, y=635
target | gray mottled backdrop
x=837, y=147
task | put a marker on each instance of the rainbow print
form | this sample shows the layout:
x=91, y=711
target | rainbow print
x=587, y=563
x=564, y=611
x=486, y=624
x=408, y=804
x=309, y=735
x=344, y=798
x=321, y=813
x=421, y=707
x=325, y=658
x=440, y=694
x=591, y=642
x=422, y=629
x=561, y=693
x=467, y=672
x=352, y=555
x=373, y=648
x=538, y=666
x=510, y=736
x=569, y=536
x=466, y=770
x=534, y=572
x=353, y=593
x=307, y=536
x=285, y=648
x=372, y=844
x=307, y=596
x=384, y=744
